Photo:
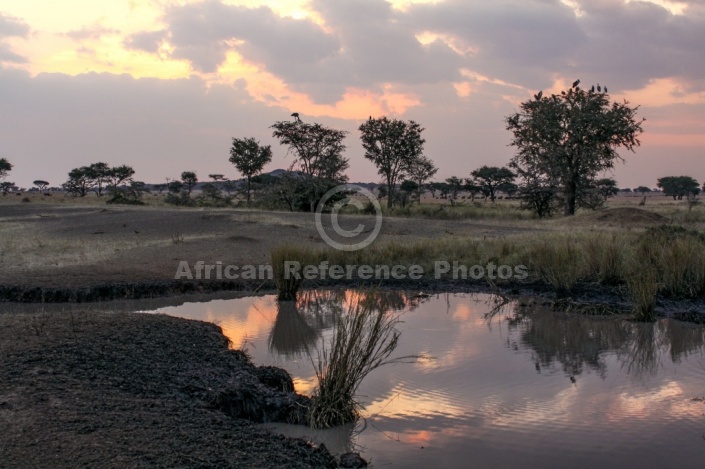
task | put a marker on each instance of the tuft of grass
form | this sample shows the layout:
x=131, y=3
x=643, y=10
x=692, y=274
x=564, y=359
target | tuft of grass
x=557, y=262
x=643, y=287
x=177, y=238
x=603, y=257
x=288, y=284
x=364, y=339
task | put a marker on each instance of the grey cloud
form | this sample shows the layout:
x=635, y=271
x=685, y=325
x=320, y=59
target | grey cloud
x=161, y=127
x=10, y=26
x=7, y=55
x=369, y=45
x=517, y=41
x=148, y=41
x=202, y=33
x=529, y=41
x=637, y=42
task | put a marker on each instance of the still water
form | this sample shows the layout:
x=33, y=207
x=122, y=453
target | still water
x=506, y=384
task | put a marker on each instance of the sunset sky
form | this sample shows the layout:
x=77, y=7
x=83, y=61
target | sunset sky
x=164, y=85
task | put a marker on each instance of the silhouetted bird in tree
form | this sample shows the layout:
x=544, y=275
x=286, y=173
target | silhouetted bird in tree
x=576, y=83
x=592, y=89
x=599, y=88
x=296, y=117
x=538, y=95
x=605, y=89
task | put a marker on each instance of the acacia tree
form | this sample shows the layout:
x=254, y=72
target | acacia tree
x=492, y=178
x=453, y=187
x=596, y=194
x=393, y=146
x=420, y=171
x=249, y=158
x=80, y=181
x=119, y=175
x=571, y=138
x=188, y=179
x=318, y=156
x=99, y=174
x=5, y=167
x=678, y=186
x=41, y=184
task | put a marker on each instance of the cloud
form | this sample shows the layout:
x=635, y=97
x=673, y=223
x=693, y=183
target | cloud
x=362, y=45
x=11, y=26
x=148, y=41
x=203, y=32
x=536, y=42
x=91, y=32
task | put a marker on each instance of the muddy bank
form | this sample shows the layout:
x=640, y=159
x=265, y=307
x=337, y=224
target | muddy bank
x=134, y=390
x=584, y=298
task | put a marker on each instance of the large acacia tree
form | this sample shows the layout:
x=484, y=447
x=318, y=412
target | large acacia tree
x=318, y=156
x=571, y=138
x=249, y=158
x=393, y=146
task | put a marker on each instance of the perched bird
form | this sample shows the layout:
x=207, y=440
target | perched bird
x=572, y=379
x=296, y=117
x=576, y=83
x=599, y=88
x=605, y=89
x=538, y=95
x=563, y=92
x=592, y=89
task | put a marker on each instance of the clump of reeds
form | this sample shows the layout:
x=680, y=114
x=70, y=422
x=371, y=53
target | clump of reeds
x=643, y=287
x=557, y=261
x=604, y=257
x=364, y=339
x=679, y=255
x=288, y=284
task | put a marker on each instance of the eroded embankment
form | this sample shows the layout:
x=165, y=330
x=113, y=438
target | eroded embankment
x=132, y=390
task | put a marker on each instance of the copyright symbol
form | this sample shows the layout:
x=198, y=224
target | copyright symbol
x=357, y=243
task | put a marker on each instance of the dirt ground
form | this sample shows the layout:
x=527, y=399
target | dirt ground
x=60, y=246
x=127, y=390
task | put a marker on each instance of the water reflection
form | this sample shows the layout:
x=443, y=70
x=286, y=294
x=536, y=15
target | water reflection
x=511, y=383
x=581, y=344
x=299, y=325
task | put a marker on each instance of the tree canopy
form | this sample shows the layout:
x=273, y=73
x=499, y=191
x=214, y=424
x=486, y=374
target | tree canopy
x=318, y=160
x=5, y=167
x=249, y=158
x=678, y=186
x=490, y=179
x=571, y=138
x=393, y=146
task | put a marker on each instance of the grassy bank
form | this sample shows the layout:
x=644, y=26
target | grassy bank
x=665, y=260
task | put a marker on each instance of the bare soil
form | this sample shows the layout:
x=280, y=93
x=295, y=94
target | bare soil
x=59, y=246
x=131, y=390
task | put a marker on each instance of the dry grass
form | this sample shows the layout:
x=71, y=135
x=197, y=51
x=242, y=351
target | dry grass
x=364, y=339
x=24, y=248
x=287, y=282
x=664, y=260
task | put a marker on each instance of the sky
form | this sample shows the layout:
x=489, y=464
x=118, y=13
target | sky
x=164, y=85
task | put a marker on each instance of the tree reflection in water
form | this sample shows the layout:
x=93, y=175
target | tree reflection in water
x=299, y=325
x=580, y=343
